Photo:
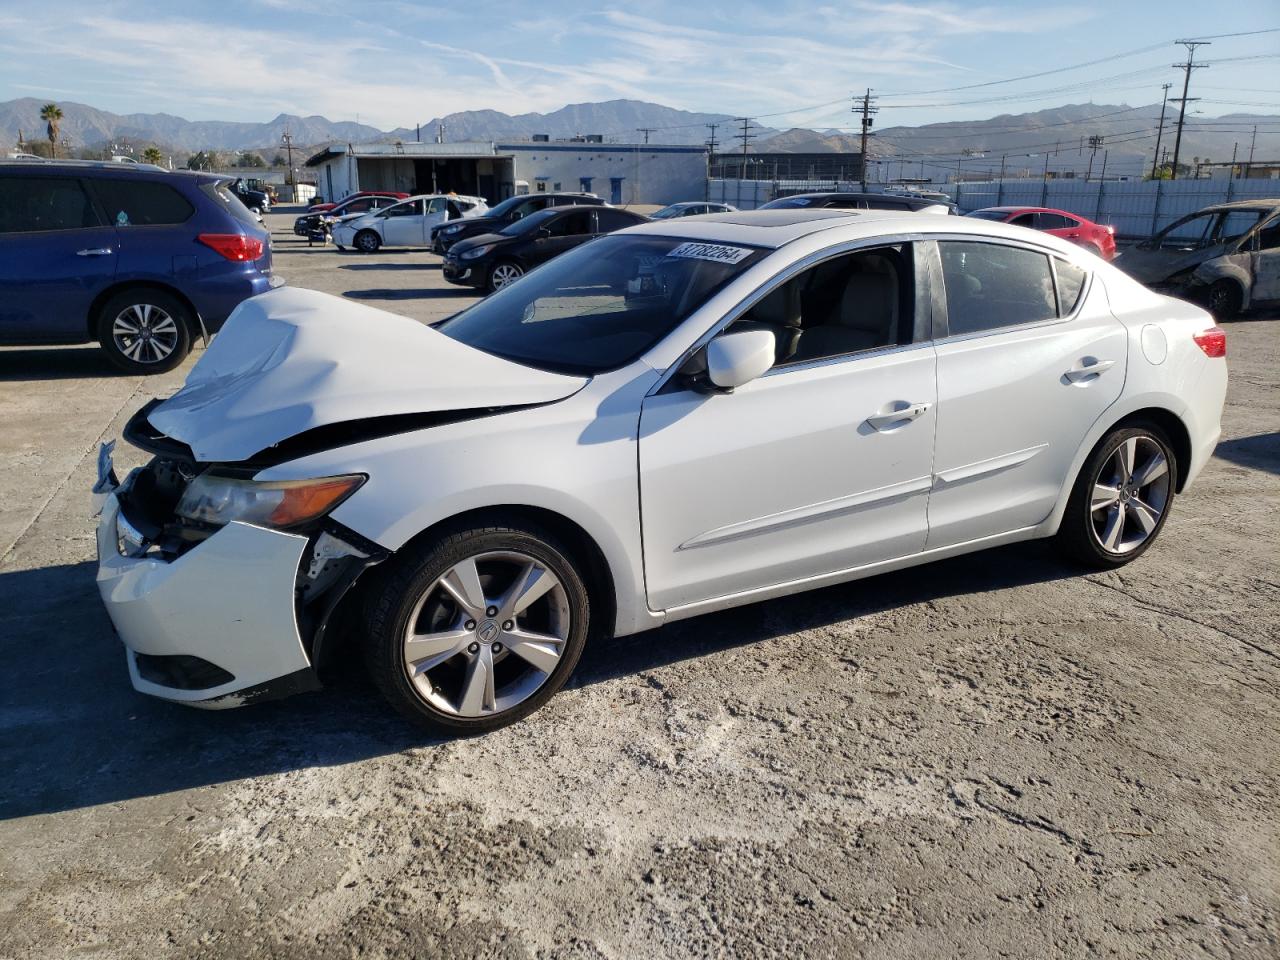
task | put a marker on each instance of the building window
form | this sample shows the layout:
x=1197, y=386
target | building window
x=584, y=183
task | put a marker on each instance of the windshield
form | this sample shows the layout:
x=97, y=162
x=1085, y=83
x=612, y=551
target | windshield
x=667, y=212
x=786, y=203
x=988, y=214
x=601, y=305
x=506, y=206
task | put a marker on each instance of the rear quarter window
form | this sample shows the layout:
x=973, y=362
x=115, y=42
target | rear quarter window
x=142, y=203
x=225, y=199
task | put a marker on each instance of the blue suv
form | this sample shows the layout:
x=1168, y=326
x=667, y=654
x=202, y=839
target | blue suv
x=139, y=259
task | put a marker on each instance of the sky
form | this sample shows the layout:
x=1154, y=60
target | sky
x=393, y=63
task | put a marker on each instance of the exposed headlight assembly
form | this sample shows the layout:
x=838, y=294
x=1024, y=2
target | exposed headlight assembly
x=218, y=500
x=475, y=252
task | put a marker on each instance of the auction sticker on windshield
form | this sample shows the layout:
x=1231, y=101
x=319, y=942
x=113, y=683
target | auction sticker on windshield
x=711, y=251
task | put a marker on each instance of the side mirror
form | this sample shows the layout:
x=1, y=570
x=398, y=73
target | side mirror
x=735, y=359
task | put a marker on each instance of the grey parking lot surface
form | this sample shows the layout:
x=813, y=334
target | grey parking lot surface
x=997, y=755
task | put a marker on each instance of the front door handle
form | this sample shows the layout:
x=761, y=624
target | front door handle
x=904, y=414
x=1088, y=370
x=95, y=252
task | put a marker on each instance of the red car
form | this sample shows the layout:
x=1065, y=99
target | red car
x=325, y=207
x=1092, y=236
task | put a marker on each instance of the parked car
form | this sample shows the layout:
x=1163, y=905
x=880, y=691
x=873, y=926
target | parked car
x=492, y=260
x=256, y=201
x=1094, y=237
x=141, y=260
x=405, y=224
x=1226, y=256
x=859, y=201
x=320, y=206
x=315, y=220
x=505, y=213
x=690, y=208
x=674, y=419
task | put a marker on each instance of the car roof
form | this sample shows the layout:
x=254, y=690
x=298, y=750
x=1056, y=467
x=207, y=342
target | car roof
x=27, y=166
x=772, y=229
x=1065, y=213
x=827, y=194
x=1268, y=204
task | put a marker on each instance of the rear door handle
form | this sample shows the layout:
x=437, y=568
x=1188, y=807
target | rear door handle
x=883, y=421
x=1087, y=370
x=95, y=252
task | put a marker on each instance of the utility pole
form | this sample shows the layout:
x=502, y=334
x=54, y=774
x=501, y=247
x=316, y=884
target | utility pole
x=646, y=131
x=287, y=139
x=867, y=111
x=1234, y=147
x=1182, y=101
x=746, y=136
x=1095, y=141
x=1160, y=132
x=1248, y=167
x=711, y=158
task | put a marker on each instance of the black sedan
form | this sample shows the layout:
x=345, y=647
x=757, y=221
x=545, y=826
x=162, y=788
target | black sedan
x=492, y=260
x=505, y=214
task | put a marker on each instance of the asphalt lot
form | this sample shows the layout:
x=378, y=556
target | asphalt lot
x=992, y=756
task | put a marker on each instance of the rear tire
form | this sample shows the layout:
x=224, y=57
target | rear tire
x=1226, y=300
x=1121, y=498
x=145, y=331
x=429, y=651
x=367, y=241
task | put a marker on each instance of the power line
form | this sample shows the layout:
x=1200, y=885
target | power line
x=646, y=131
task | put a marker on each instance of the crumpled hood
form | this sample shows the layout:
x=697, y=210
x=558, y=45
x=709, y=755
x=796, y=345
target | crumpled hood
x=290, y=360
x=1154, y=266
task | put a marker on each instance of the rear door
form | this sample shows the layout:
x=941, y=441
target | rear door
x=1266, y=262
x=436, y=214
x=1030, y=357
x=152, y=231
x=56, y=256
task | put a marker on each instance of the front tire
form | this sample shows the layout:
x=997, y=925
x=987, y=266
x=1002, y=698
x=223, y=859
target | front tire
x=477, y=629
x=1226, y=300
x=1121, y=498
x=367, y=241
x=502, y=273
x=145, y=331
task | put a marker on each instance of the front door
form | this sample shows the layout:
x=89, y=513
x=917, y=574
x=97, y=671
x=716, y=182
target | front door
x=56, y=256
x=822, y=465
x=1022, y=376
x=403, y=224
x=1266, y=262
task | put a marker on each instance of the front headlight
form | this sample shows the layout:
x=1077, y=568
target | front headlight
x=215, y=499
x=475, y=252
x=453, y=229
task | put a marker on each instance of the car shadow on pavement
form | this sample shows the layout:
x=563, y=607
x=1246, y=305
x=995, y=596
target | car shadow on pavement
x=1262, y=451
x=56, y=363
x=389, y=266
x=382, y=294
x=74, y=733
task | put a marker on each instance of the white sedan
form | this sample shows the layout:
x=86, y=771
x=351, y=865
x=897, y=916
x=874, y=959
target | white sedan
x=405, y=224
x=673, y=419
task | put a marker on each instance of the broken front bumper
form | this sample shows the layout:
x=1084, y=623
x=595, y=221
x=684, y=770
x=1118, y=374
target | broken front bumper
x=217, y=626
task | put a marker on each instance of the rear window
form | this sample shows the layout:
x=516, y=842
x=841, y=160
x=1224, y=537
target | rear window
x=997, y=215
x=40, y=204
x=141, y=203
x=229, y=201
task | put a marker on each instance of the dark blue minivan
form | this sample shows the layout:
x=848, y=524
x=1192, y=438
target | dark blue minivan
x=139, y=259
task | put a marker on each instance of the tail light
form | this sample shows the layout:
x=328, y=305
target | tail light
x=233, y=246
x=1111, y=230
x=1212, y=341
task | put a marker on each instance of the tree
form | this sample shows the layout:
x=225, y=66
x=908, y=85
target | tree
x=152, y=155
x=51, y=114
x=204, y=160
x=247, y=159
x=278, y=160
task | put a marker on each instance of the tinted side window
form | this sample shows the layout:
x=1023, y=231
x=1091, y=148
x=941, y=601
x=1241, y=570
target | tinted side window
x=142, y=203
x=1024, y=220
x=571, y=225
x=1052, y=221
x=31, y=204
x=847, y=203
x=990, y=286
x=613, y=220
x=1070, y=283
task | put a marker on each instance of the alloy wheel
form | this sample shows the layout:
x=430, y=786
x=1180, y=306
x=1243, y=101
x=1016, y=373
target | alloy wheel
x=1130, y=494
x=486, y=634
x=145, y=333
x=505, y=273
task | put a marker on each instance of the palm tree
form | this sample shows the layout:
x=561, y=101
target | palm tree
x=152, y=155
x=51, y=114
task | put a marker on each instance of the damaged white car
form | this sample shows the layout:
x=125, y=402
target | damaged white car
x=1226, y=257
x=670, y=420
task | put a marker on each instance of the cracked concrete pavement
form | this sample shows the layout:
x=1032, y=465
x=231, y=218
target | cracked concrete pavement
x=992, y=756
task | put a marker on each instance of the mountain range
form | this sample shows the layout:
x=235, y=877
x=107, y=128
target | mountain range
x=1126, y=131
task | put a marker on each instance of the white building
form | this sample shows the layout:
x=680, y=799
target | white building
x=621, y=173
